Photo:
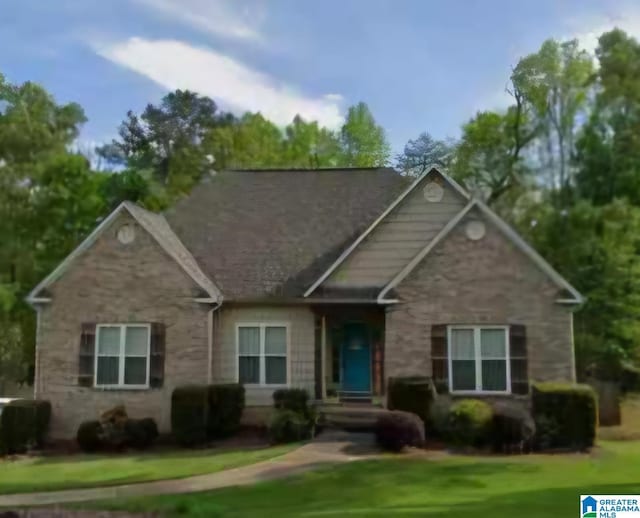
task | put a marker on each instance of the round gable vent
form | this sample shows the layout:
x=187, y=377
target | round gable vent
x=475, y=230
x=126, y=234
x=433, y=192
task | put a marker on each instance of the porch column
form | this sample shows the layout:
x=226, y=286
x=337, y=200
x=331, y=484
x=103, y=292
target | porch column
x=323, y=356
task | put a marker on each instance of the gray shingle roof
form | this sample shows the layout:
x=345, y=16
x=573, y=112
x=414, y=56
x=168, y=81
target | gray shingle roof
x=273, y=233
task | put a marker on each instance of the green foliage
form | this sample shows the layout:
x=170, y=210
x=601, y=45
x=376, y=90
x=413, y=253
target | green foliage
x=189, y=414
x=363, y=140
x=411, y=394
x=566, y=415
x=226, y=404
x=289, y=426
x=425, y=151
x=469, y=423
x=293, y=399
x=141, y=433
x=396, y=430
x=89, y=436
x=24, y=424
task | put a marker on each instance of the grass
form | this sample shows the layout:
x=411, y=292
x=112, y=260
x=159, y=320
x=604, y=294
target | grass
x=81, y=471
x=524, y=486
x=629, y=430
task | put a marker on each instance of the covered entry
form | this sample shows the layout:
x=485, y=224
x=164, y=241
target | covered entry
x=349, y=352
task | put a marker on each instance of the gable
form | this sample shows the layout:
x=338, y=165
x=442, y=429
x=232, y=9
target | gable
x=484, y=246
x=397, y=239
x=149, y=226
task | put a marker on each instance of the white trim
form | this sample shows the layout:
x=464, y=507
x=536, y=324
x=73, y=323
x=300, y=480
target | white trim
x=210, y=335
x=263, y=370
x=32, y=298
x=39, y=300
x=509, y=233
x=422, y=254
x=121, y=357
x=478, y=359
x=393, y=205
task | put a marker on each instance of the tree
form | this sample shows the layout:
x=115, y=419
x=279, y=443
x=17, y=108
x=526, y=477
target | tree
x=423, y=152
x=168, y=139
x=307, y=145
x=363, y=140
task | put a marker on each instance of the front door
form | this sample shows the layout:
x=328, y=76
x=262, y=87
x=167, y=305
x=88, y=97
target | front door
x=356, y=359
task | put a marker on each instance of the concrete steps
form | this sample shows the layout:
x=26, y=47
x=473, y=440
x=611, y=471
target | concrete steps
x=350, y=416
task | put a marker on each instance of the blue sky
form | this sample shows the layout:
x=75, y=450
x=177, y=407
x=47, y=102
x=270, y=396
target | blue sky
x=421, y=65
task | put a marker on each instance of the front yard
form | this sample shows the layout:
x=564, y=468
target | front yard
x=529, y=486
x=81, y=471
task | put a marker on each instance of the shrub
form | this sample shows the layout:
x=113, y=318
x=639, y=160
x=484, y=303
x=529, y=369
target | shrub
x=89, y=436
x=397, y=429
x=469, y=422
x=288, y=426
x=293, y=399
x=512, y=430
x=114, y=422
x=439, y=417
x=24, y=424
x=411, y=394
x=189, y=412
x=141, y=433
x=565, y=415
x=226, y=403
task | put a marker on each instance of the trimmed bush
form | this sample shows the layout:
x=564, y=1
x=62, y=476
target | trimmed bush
x=512, y=430
x=396, y=430
x=439, y=417
x=24, y=424
x=293, y=399
x=89, y=436
x=565, y=415
x=114, y=432
x=469, y=423
x=141, y=433
x=226, y=404
x=411, y=394
x=288, y=426
x=189, y=414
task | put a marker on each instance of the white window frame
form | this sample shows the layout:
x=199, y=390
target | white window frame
x=263, y=363
x=478, y=359
x=121, y=357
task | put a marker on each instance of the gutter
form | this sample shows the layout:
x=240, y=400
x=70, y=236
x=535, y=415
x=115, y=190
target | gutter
x=210, y=341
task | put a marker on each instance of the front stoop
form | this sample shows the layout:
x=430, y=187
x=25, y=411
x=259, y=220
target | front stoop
x=350, y=416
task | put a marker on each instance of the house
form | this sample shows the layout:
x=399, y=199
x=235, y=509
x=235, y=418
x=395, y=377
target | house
x=331, y=280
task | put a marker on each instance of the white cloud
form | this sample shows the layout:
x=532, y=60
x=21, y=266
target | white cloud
x=219, y=17
x=175, y=64
x=588, y=30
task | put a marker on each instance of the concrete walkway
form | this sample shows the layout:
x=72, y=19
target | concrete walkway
x=330, y=447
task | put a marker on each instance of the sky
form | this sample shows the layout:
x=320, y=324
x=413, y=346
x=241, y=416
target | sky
x=420, y=65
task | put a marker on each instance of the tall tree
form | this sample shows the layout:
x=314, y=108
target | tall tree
x=424, y=151
x=364, y=141
x=308, y=145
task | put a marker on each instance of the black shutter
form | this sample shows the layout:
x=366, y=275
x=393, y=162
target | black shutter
x=440, y=358
x=156, y=361
x=518, y=357
x=86, y=358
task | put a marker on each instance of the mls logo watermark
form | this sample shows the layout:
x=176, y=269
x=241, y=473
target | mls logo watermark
x=609, y=506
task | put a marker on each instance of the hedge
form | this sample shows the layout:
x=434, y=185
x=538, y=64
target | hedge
x=189, y=414
x=565, y=415
x=469, y=423
x=396, y=429
x=411, y=394
x=289, y=426
x=294, y=399
x=226, y=404
x=24, y=424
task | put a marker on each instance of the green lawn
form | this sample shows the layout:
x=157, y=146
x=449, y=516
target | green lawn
x=519, y=486
x=51, y=473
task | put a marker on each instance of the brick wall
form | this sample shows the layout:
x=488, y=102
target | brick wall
x=116, y=283
x=488, y=281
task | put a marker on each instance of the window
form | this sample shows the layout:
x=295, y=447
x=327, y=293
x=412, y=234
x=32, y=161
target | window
x=122, y=356
x=262, y=354
x=479, y=359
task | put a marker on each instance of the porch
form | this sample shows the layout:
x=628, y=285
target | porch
x=349, y=353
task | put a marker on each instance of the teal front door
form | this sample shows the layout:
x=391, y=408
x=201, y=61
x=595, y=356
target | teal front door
x=356, y=359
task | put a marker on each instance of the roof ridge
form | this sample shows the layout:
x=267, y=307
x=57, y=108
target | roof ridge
x=307, y=169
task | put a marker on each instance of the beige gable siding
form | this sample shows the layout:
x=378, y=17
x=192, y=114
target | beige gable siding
x=115, y=283
x=398, y=238
x=488, y=281
x=300, y=320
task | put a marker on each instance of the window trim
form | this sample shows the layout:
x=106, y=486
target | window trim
x=262, y=357
x=478, y=359
x=121, y=357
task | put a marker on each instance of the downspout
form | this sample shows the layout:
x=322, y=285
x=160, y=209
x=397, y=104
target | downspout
x=210, y=341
